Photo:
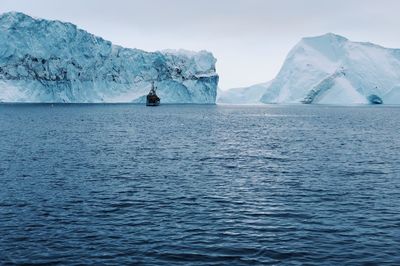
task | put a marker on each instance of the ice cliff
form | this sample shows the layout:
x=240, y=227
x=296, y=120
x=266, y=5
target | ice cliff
x=330, y=69
x=53, y=61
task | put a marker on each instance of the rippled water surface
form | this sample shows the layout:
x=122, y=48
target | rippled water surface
x=199, y=185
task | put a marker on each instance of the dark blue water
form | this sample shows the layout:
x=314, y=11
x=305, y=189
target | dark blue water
x=199, y=185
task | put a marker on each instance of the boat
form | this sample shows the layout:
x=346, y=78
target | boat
x=152, y=99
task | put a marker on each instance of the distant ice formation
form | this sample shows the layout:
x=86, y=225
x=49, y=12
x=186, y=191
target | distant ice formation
x=246, y=95
x=52, y=61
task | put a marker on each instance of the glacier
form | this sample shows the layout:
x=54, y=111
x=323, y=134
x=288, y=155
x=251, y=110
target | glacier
x=53, y=61
x=330, y=69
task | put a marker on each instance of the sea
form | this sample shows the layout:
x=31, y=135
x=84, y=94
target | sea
x=125, y=184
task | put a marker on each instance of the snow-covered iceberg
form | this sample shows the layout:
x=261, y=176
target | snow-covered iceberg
x=330, y=69
x=53, y=61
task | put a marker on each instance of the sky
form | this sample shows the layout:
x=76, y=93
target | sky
x=249, y=38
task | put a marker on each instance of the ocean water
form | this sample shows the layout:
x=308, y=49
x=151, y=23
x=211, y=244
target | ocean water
x=199, y=185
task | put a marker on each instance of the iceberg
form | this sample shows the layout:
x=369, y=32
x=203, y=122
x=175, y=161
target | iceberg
x=53, y=61
x=330, y=69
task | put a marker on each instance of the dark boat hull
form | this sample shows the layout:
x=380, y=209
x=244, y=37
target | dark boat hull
x=152, y=100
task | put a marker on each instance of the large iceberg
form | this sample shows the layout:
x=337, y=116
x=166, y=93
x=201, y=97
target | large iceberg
x=53, y=61
x=330, y=69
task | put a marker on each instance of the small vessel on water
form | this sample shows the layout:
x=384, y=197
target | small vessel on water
x=152, y=99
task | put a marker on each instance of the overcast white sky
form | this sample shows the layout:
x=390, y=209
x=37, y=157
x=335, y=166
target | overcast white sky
x=250, y=38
